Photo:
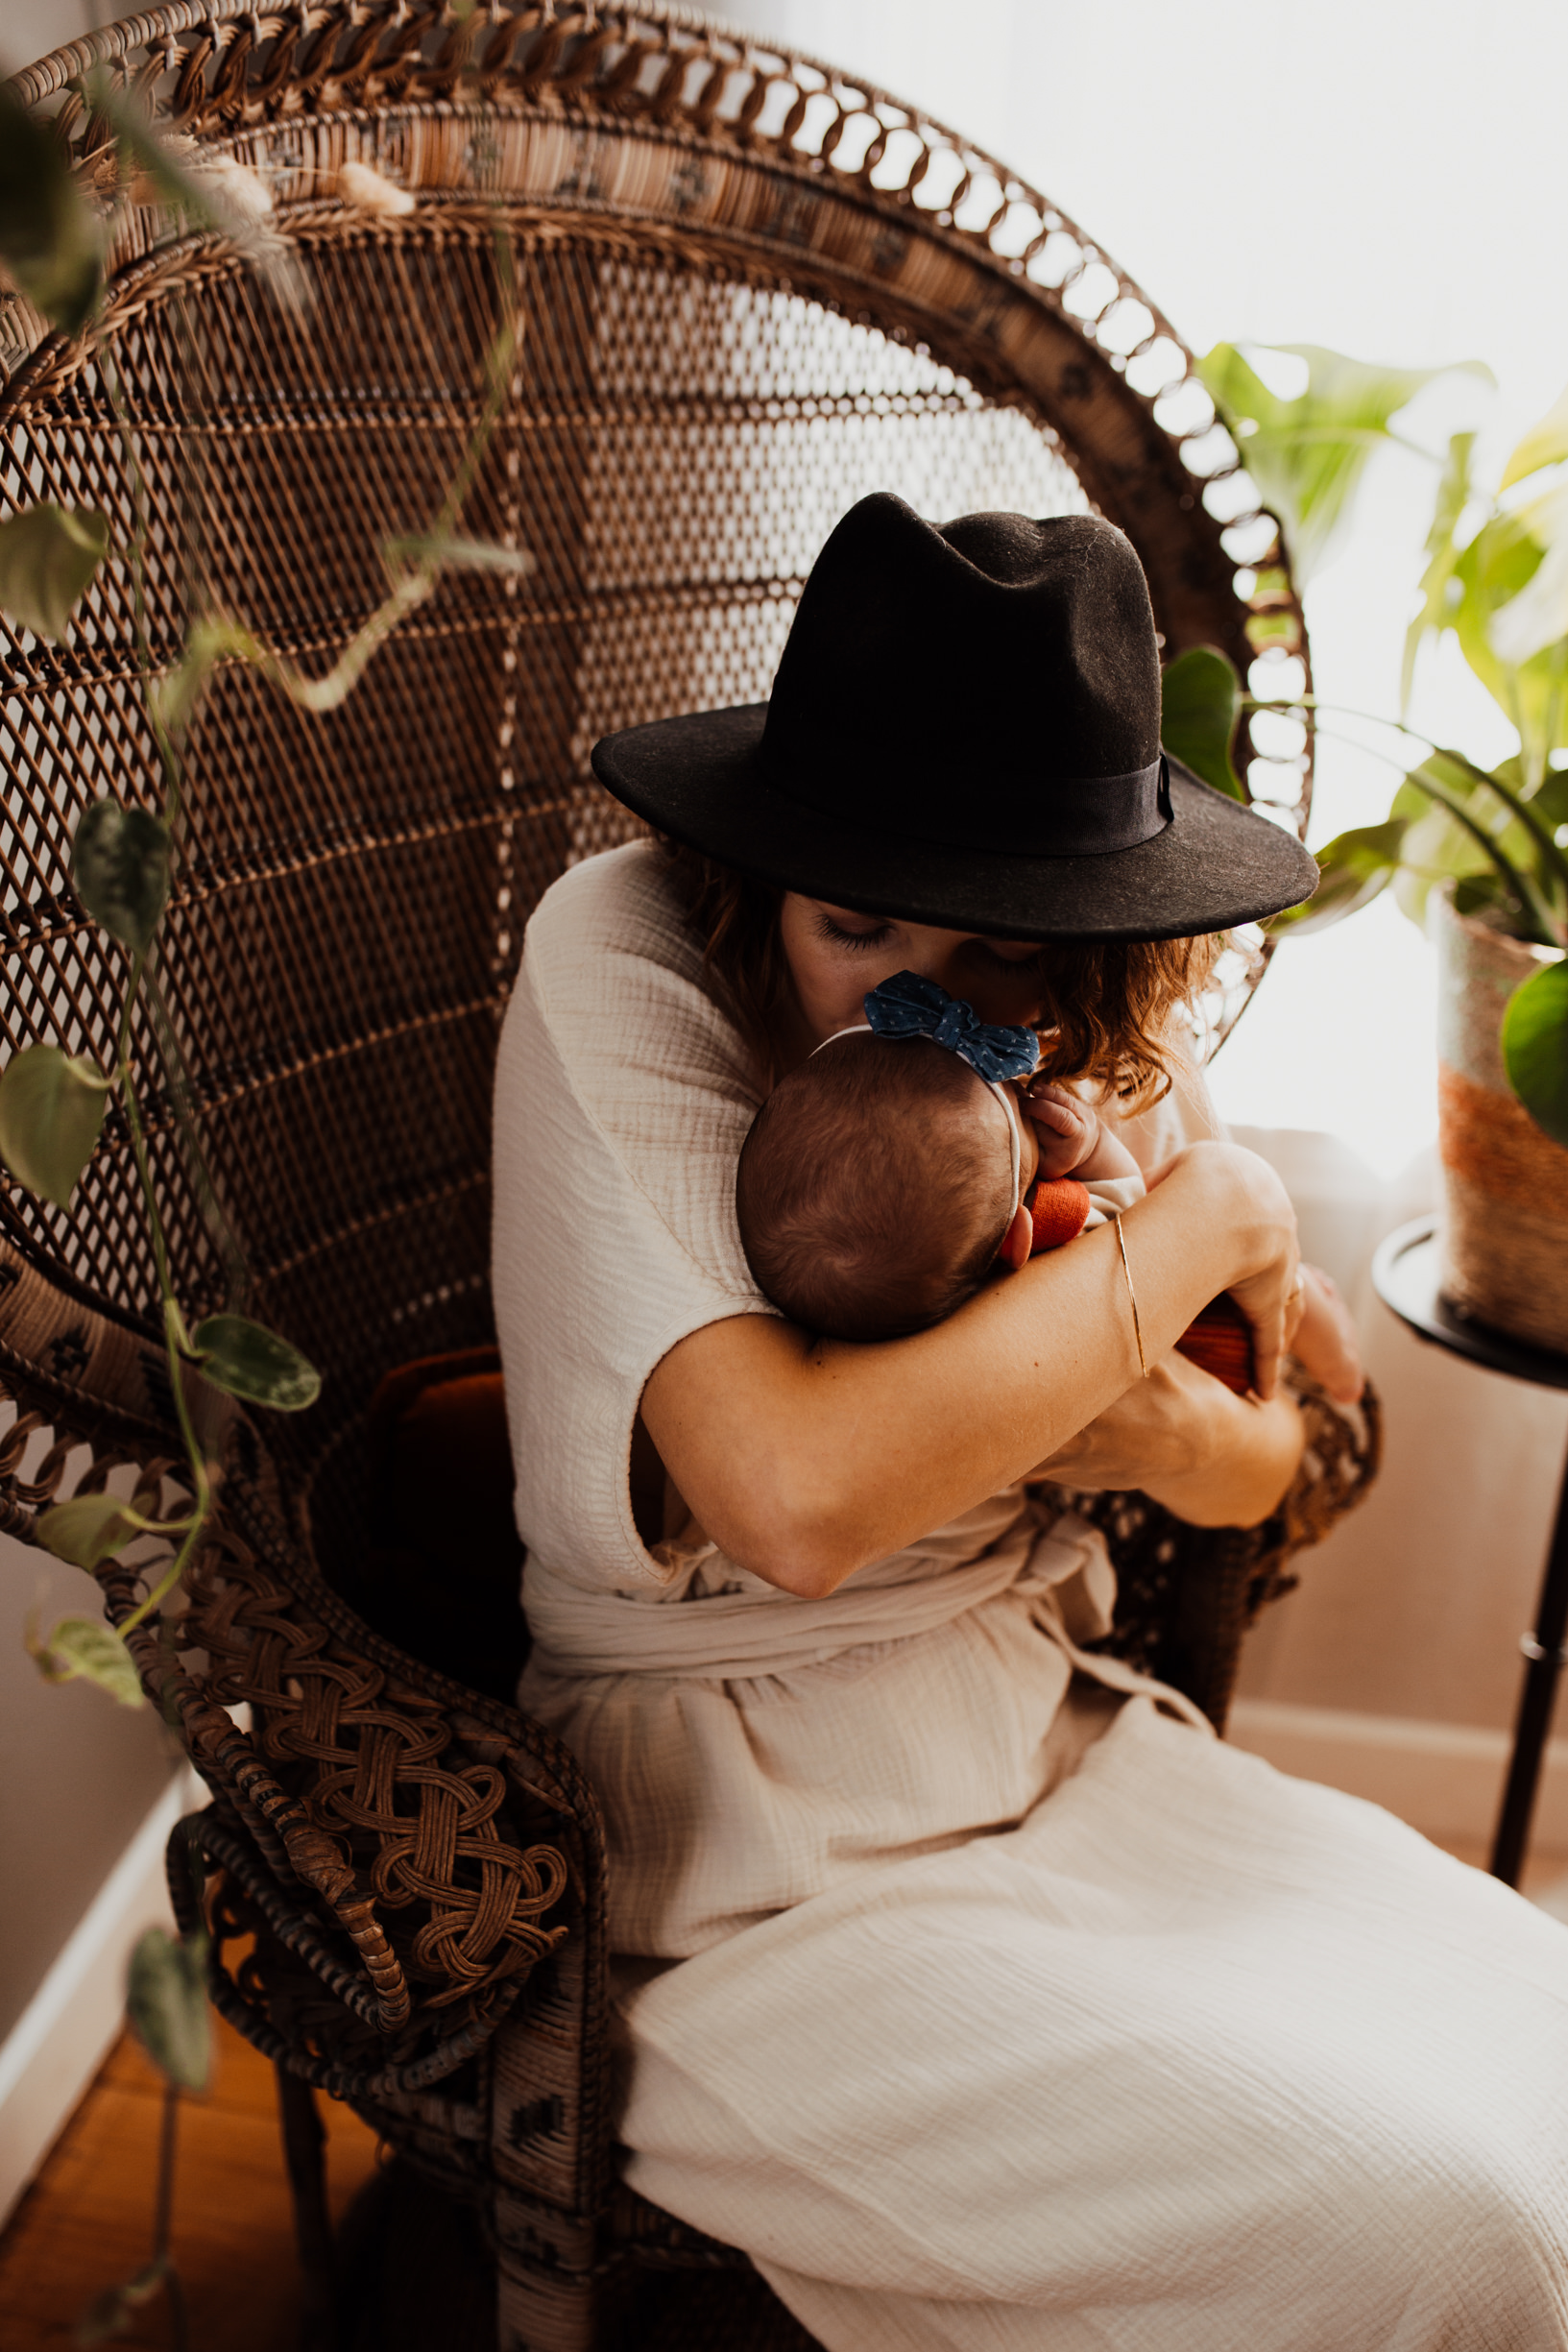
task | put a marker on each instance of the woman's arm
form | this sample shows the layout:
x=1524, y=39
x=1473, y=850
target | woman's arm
x=804, y=1462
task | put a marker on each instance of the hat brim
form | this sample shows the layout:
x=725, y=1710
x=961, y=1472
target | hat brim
x=699, y=779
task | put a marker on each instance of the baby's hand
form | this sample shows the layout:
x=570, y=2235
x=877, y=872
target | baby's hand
x=1325, y=1342
x=1068, y=1129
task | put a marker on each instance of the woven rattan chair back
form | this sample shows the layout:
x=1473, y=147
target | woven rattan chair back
x=749, y=291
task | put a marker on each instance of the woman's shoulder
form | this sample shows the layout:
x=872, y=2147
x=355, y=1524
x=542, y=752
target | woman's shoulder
x=615, y=976
x=607, y=916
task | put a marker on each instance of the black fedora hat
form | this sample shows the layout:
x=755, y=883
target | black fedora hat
x=965, y=730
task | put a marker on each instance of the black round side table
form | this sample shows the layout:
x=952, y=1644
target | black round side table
x=1405, y=1278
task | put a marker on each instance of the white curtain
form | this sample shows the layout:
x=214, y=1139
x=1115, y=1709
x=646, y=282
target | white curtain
x=1390, y=182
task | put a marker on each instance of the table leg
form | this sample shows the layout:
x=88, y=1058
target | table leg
x=1543, y=1649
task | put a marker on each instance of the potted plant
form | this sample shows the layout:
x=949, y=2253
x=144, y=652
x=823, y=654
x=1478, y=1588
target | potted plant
x=1477, y=855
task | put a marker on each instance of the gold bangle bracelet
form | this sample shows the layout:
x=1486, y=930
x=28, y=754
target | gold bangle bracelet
x=1132, y=1299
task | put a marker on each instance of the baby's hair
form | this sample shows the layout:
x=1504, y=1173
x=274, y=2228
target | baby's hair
x=873, y=1191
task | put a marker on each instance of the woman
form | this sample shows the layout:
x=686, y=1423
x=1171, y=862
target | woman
x=965, y=1979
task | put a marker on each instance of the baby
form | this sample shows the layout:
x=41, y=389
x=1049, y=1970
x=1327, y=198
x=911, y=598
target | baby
x=886, y=1179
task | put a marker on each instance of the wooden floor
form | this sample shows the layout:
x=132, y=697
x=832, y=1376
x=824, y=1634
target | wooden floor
x=86, y=2223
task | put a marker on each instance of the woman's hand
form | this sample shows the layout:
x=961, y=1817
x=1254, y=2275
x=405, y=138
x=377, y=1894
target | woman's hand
x=1211, y=1457
x=1263, y=1222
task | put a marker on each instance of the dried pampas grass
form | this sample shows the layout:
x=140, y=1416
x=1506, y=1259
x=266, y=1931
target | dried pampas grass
x=367, y=190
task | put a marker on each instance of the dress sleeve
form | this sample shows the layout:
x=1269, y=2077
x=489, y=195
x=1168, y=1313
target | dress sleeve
x=622, y=1098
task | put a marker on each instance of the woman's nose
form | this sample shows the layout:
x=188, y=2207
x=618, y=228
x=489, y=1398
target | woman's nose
x=937, y=955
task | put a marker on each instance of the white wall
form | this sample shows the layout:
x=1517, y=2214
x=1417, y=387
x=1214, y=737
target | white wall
x=77, y=1775
x=29, y=29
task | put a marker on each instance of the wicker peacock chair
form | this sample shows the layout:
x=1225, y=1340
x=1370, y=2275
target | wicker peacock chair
x=751, y=291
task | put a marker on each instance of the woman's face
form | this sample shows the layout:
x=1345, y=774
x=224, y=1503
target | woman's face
x=834, y=956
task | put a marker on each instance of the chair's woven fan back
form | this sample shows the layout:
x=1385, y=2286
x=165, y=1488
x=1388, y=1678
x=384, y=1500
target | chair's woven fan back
x=749, y=294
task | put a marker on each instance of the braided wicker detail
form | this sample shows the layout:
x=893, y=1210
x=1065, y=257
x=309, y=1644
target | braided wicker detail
x=443, y=1893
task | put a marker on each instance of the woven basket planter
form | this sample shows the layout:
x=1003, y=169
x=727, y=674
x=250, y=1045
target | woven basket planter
x=1505, y=1251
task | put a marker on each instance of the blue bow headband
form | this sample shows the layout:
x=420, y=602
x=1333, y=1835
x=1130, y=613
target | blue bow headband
x=907, y=1005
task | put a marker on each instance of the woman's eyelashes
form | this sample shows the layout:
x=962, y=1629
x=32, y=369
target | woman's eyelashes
x=855, y=941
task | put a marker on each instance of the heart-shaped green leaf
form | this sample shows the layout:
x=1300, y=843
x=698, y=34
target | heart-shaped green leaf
x=120, y=867
x=47, y=556
x=249, y=1361
x=1352, y=869
x=51, y=1110
x=1201, y=695
x=166, y=2003
x=85, y=1530
x=86, y=1650
x=1535, y=1047
x=50, y=242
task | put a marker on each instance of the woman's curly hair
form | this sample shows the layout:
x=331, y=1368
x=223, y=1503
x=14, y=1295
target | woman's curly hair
x=1108, y=1002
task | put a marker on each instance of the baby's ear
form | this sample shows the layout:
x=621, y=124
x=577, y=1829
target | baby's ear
x=1018, y=1241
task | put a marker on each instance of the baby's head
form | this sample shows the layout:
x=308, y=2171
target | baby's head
x=878, y=1184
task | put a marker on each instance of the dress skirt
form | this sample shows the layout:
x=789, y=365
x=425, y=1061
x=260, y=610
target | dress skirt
x=1194, y=2058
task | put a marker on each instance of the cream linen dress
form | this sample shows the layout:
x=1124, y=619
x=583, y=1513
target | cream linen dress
x=968, y=2048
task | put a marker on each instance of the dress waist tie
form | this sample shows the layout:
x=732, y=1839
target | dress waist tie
x=741, y=1636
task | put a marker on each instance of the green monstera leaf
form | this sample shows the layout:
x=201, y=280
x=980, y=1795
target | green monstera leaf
x=50, y=241
x=1496, y=567
x=1546, y=443
x=1307, y=453
x=48, y=555
x=1201, y=700
x=1454, y=491
x=51, y=1111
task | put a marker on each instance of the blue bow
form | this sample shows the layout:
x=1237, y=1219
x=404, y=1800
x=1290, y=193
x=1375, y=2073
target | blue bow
x=906, y=1005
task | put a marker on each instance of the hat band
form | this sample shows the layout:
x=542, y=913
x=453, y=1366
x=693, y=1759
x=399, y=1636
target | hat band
x=1078, y=816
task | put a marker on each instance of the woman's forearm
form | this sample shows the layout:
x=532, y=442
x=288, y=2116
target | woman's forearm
x=804, y=1463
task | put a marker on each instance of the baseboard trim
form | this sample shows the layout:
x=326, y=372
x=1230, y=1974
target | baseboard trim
x=1444, y=1778
x=63, y=2035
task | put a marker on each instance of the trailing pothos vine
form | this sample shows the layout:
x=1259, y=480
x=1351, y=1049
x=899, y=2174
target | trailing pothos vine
x=57, y=227
x=54, y=1103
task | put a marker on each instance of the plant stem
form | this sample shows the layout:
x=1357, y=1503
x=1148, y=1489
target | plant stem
x=201, y=1477
x=190, y=1136
x=169, y=755
x=163, y=2218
